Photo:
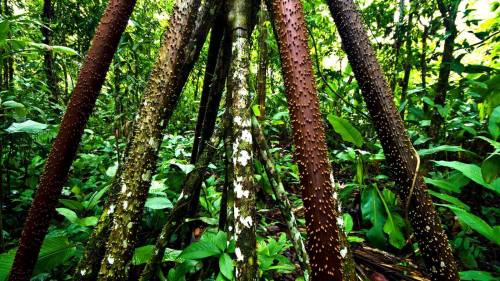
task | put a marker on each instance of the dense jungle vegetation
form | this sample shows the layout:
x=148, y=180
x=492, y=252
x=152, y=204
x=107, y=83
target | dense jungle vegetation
x=250, y=140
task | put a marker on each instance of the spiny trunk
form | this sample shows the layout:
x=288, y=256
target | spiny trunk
x=47, y=16
x=90, y=80
x=263, y=61
x=401, y=156
x=181, y=206
x=88, y=266
x=166, y=82
x=449, y=14
x=241, y=136
x=329, y=255
x=281, y=197
x=213, y=51
x=407, y=65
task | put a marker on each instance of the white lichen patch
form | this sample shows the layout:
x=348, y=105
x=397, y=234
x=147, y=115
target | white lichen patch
x=340, y=221
x=244, y=157
x=238, y=190
x=237, y=120
x=239, y=255
x=83, y=272
x=246, y=136
x=111, y=209
x=111, y=260
x=247, y=221
x=124, y=188
x=343, y=252
x=125, y=204
x=236, y=212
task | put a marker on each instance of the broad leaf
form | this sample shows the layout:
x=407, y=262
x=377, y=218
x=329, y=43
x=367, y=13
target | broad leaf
x=159, y=203
x=28, y=126
x=476, y=223
x=490, y=169
x=447, y=148
x=494, y=123
x=345, y=130
x=471, y=171
x=226, y=266
x=450, y=199
x=475, y=275
x=372, y=210
x=200, y=250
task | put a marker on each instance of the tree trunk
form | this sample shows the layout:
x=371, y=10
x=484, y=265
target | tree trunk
x=281, y=198
x=401, y=156
x=329, y=255
x=263, y=61
x=90, y=80
x=213, y=52
x=47, y=16
x=217, y=82
x=241, y=136
x=449, y=15
x=174, y=63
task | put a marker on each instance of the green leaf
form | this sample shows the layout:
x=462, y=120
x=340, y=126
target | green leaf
x=68, y=214
x=6, y=261
x=142, y=254
x=443, y=184
x=28, y=126
x=55, y=251
x=448, y=148
x=200, y=250
x=12, y=104
x=345, y=130
x=64, y=50
x=88, y=221
x=490, y=169
x=348, y=223
x=226, y=266
x=392, y=227
x=476, y=223
x=221, y=240
x=494, y=123
x=471, y=171
x=372, y=210
x=256, y=110
x=450, y=199
x=476, y=275
x=159, y=203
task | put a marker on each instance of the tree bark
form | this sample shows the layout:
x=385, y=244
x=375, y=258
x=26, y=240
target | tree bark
x=47, y=17
x=401, y=156
x=90, y=80
x=449, y=14
x=329, y=255
x=173, y=65
x=213, y=52
x=281, y=198
x=217, y=83
x=263, y=61
x=241, y=136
